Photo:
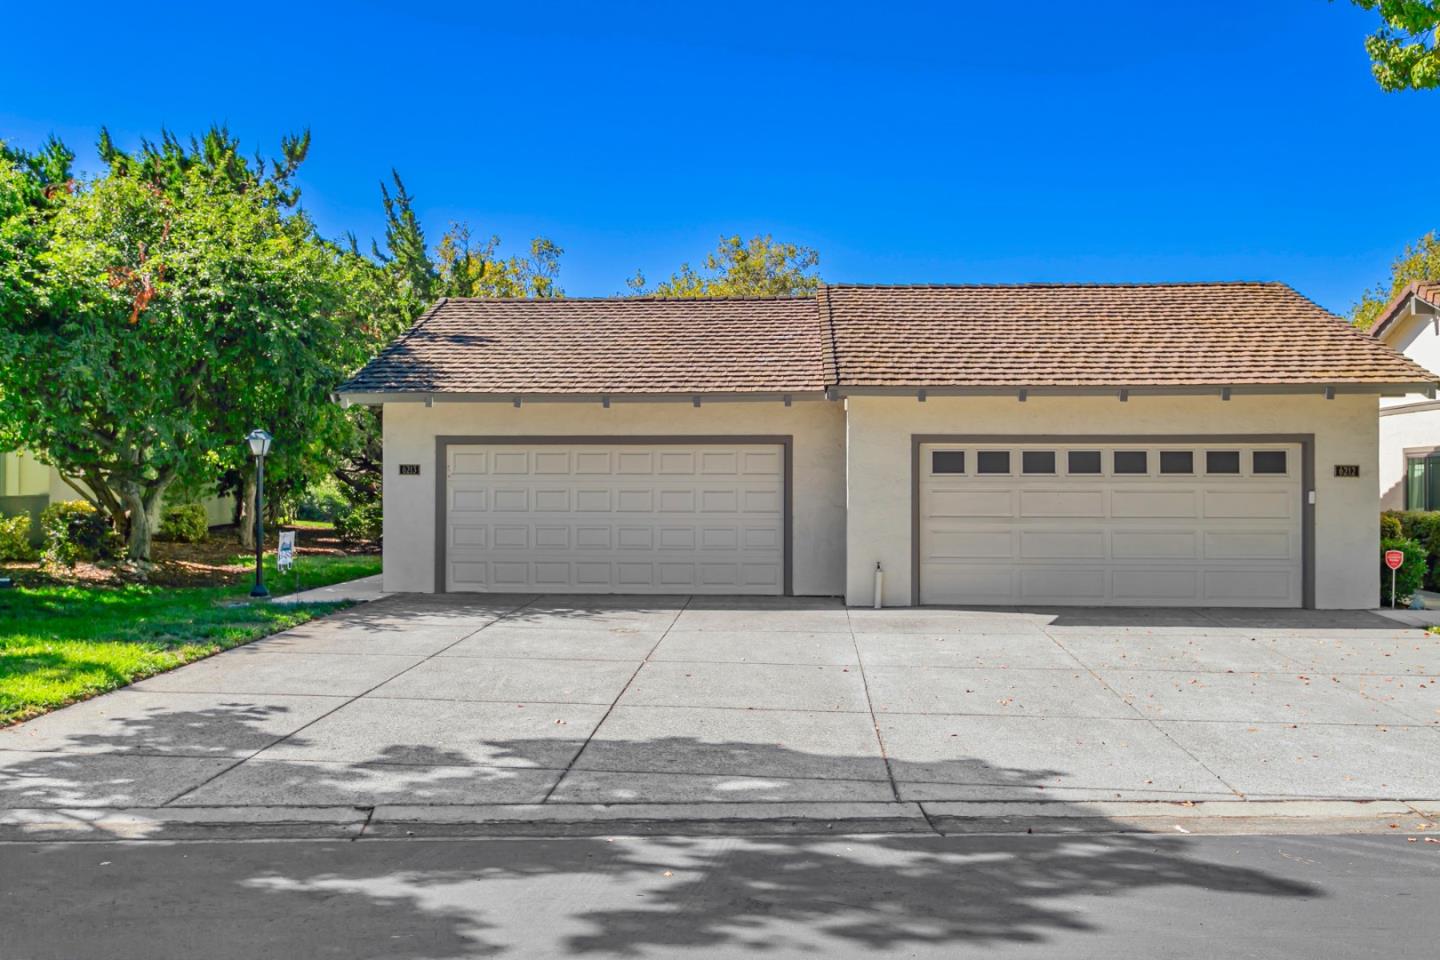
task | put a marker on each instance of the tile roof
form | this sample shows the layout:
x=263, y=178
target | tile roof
x=1099, y=335
x=1419, y=289
x=600, y=346
x=857, y=337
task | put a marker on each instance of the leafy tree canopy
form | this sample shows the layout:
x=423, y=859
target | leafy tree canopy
x=167, y=163
x=1418, y=261
x=172, y=309
x=760, y=267
x=1403, y=51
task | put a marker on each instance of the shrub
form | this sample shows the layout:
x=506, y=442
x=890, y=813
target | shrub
x=15, y=538
x=1390, y=528
x=1423, y=526
x=1411, y=574
x=186, y=523
x=322, y=501
x=363, y=522
x=74, y=530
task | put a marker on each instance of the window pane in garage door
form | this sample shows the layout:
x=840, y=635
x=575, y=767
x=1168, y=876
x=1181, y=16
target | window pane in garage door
x=615, y=518
x=1171, y=538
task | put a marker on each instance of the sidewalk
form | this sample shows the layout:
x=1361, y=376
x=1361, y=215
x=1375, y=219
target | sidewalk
x=356, y=591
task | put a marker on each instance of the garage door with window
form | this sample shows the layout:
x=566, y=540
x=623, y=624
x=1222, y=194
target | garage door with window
x=1210, y=524
x=606, y=517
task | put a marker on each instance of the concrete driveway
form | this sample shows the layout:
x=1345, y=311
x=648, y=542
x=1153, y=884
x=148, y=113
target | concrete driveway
x=415, y=700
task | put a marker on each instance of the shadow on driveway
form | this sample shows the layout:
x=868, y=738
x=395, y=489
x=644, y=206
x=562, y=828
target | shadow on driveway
x=443, y=899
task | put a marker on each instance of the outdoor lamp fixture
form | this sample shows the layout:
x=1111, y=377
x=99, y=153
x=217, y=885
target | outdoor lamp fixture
x=259, y=442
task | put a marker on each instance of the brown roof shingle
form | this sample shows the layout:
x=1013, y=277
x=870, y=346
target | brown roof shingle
x=1037, y=335
x=858, y=337
x=600, y=346
x=1423, y=290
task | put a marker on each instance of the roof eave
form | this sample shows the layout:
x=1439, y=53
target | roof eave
x=1409, y=297
x=430, y=397
x=1320, y=387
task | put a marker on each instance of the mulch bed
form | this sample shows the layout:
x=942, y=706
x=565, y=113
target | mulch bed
x=208, y=564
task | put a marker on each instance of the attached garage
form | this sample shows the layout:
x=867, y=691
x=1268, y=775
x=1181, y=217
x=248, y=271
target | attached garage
x=1187, y=521
x=596, y=515
x=1206, y=445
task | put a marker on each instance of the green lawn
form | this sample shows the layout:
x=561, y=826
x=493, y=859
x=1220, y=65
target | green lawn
x=65, y=643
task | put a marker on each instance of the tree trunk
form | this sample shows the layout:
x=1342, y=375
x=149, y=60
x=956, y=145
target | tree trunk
x=138, y=545
x=144, y=509
x=247, y=511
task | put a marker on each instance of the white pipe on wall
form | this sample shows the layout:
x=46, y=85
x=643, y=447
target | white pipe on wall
x=879, y=584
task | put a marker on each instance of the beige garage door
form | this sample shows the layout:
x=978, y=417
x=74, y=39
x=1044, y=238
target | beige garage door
x=616, y=518
x=1111, y=524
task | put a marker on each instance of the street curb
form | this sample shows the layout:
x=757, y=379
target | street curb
x=398, y=822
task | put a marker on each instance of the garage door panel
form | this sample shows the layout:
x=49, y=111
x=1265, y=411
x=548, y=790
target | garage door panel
x=511, y=501
x=979, y=583
x=509, y=462
x=1038, y=584
x=1249, y=587
x=465, y=463
x=1101, y=537
x=619, y=518
x=510, y=536
x=724, y=463
x=973, y=544
x=1148, y=585
x=466, y=500
x=549, y=462
x=631, y=462
x=593, y=462
x=1062, y=503
x=593, y=501
x=761, y=501
x=1150, y=503
x=1248, y=504
x=472, y=574
x=469, y=536
x=677, y=462
x=1154, y=545
x=1247, y=545
x=1062, y=544
x=972, y=503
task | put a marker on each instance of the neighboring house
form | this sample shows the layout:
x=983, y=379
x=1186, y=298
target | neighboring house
x=29, y=486
x=1410, y=425
x=1187, y=444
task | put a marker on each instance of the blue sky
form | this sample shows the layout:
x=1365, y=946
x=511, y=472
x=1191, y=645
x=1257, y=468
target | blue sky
x=906, y=142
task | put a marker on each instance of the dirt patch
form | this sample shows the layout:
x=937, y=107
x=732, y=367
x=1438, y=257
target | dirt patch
x=219, y=561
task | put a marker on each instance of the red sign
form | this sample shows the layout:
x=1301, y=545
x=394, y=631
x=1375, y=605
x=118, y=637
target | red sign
x=1393, y=559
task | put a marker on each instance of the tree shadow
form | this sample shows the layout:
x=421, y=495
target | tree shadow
x=583, y=895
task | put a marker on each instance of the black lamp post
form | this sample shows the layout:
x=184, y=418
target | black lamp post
x=259, y=442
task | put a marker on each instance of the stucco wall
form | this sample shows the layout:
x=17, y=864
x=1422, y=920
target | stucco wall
x=818, y=429
x=1418, y=337
x=878, y=444
x=1415, y=429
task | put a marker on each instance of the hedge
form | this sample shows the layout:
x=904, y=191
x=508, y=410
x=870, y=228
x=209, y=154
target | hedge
x=186, y=523
x=15, y=538
x=1409, y=577
x=74, y=530
x=1424, y=527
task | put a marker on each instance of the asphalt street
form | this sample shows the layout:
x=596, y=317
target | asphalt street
x=905, y=896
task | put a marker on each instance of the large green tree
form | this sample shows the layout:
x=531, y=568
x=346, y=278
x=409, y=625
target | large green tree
x=759, y=267
x=173, y=310
x=1403, y=50
x=1418, y=261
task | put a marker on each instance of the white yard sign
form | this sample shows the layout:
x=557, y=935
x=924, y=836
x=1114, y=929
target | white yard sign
x=285, y=556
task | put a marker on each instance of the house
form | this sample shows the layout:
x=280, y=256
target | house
x=1410, y=424
x=1180, y=444
x=29, y=486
